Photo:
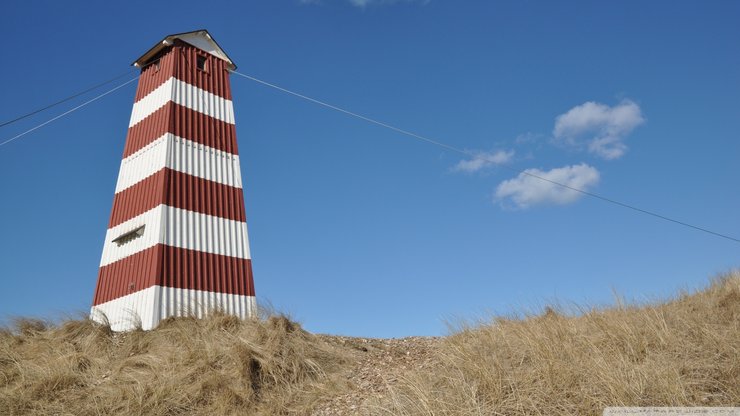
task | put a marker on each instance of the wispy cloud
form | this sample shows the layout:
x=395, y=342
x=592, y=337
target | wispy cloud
x=598, y=127
x=526, y=190
x=482, y=160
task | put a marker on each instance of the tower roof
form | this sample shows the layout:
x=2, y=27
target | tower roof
x=201, y=39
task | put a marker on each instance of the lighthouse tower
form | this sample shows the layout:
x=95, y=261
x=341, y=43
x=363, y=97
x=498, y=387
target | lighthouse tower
x=177, y=242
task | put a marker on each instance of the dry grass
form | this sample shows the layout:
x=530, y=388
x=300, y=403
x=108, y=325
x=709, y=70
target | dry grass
x=685, y=352
x=215, y=366
x=682, y=352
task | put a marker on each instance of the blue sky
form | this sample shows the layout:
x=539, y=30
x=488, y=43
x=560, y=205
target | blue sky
x=357, y=230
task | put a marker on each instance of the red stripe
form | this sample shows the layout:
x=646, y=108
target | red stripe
x=152, y=76
x=215, y=79
x=138, y=199
x=180, y=62
x=178, y=190
x=129, y=275
x=183, y=122
x=177, y=268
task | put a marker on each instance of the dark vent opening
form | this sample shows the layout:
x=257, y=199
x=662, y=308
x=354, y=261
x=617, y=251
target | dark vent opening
x=201, y=62
x=129, y=236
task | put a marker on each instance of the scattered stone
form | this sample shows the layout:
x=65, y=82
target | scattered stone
x=381, y=364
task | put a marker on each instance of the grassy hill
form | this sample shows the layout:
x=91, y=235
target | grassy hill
x=681, y=352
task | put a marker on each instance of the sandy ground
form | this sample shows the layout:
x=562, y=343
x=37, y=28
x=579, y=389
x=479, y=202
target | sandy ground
x=381, y=363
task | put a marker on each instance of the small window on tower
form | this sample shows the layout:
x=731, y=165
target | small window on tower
x=202, y=63
x=155, y=66
x=129, y=236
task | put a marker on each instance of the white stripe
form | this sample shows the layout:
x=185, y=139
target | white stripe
x=135, y=310
x=182, y=155
x=186, y=95
x=147, y=161
x=146, y=308
x=152, y=219
x=178, y=228
x=198, y=303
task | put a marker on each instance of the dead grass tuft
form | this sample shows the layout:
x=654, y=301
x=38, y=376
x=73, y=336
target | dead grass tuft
x=685, y=352
x=29, y=326
x=217, y=365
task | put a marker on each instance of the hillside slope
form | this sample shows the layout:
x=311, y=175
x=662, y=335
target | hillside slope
x=685, y=351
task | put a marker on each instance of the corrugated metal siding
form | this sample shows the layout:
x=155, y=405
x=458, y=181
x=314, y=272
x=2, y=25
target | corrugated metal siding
x=180, y=302
x=153, y=101
x=126, y=312
x=129, y=275
x=186, y=95
x=174, y=267
x=195, y=231
x=204, y=162
x=180, y=61
x=152, y=76
x=214, y=79
x=196, y=98
x=150, y=129
x=182, y=122
x=145, y=162
x=192, y=269
x=138, y=199
x=183, y=156
x=206, y=197
x=150, y=305
x=178, y=190
x=180, y=178
x=153, y=235
x=178, y=228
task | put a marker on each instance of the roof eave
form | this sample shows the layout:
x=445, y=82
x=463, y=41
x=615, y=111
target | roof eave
x=169, y=39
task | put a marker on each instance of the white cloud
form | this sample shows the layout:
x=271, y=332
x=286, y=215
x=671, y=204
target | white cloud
x=481, y=160
x=526, y=190
x=602, y=129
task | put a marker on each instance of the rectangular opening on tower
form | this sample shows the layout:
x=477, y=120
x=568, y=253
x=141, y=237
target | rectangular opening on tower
x=201, y=62
x=129, y=236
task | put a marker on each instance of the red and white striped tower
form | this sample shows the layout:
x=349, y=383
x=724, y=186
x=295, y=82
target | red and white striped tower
x=177, y=238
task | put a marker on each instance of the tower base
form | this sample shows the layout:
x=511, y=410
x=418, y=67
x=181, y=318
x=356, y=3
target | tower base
x=146, y=308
